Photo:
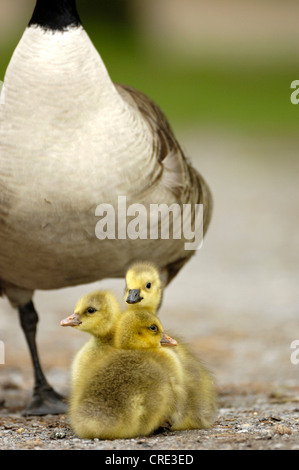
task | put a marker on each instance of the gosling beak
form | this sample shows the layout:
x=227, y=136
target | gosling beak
x=134, y=296
x=167, y=340
x=72, y=320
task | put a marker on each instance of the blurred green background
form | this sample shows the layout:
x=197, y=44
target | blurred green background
x=224, y=64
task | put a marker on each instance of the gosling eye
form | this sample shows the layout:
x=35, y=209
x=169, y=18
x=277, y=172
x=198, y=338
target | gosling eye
x=153, y=328
x=148, y=285
x=90, y=310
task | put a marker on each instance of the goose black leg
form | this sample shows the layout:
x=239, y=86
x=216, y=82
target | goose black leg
x=45, y=400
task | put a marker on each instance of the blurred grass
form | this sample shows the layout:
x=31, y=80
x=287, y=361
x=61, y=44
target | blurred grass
x=234, y=94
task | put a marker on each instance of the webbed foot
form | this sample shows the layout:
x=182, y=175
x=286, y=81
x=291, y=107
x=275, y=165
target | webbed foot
x=46, y=401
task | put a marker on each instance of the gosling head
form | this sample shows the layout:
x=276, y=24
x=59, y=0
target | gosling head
x=95, y=313
x=144, y=287
x=140, y=330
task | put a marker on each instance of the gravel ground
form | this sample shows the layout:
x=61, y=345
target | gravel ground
x=247, y=419
x=236, y=303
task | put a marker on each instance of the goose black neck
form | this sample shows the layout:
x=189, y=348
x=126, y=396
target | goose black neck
x=55, y=15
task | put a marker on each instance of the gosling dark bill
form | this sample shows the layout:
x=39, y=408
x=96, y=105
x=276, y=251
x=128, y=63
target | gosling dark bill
x=134, y=296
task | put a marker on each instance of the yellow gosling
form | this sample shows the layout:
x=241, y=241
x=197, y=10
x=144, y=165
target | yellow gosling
x=144, y=291
x=144, y=288
x=130, y=390
x=95, y=313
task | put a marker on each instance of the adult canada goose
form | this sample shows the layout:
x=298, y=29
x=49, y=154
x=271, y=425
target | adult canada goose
x=130, y=390
x=71, y=140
